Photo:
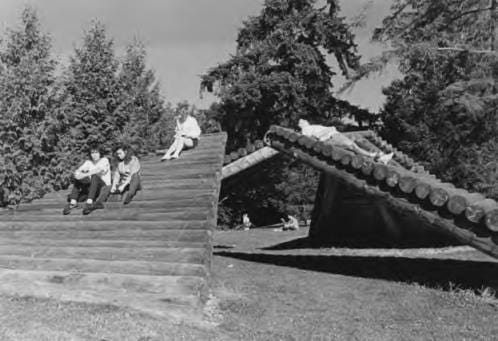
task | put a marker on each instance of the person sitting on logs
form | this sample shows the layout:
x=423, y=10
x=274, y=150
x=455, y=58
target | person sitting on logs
x=126, y=176
x=187, y=134
x=333, y=136
x=92, y=180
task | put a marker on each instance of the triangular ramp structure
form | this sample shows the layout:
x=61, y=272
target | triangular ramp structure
x=356, y=192
x=152, y=255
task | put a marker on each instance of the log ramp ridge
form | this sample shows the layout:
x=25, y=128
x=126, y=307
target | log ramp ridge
x=152, y=255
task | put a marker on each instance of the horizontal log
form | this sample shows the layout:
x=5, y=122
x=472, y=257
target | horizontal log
x=392, y=177
x=491, y=220
x=108, y=225
x=242, y=152
x=157, y=254
x=407, y=183
x=110, y=215
x=477, y=211
x=182, y=235
x=133, y=267
x=86, y=282
x=250, y=148
x=148, y=294
x=357, y=161
x=250, y=160
x=367, y=167
x=379, y=172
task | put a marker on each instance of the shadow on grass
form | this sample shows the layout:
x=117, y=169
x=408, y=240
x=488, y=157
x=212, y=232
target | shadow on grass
x=307, y=243
x=434, y=273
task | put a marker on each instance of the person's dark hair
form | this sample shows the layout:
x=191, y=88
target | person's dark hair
x=127, y=150
x=95, y=147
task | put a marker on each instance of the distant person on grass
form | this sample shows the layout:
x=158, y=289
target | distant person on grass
x=187, y=134
x=91, y=180
x=126, y=176
x=333, y=136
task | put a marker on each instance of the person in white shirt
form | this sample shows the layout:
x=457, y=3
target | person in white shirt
x=126, y=177
x=333, y=136
x=91, y=180
x=187, y=134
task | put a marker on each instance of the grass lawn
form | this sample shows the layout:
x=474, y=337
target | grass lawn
x=270, y=286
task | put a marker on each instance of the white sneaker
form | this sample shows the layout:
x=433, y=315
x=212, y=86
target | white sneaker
x=386, y=158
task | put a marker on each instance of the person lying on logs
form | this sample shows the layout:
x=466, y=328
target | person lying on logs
x=333, y=136
x=126, y=177
x=187, y=134
x=91, y=180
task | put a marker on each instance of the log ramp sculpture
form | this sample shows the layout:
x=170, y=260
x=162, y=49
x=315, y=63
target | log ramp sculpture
x=403, y=185
x=153, y=255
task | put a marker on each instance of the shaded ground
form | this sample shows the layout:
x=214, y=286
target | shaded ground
x=344, y=294
x=269, y=286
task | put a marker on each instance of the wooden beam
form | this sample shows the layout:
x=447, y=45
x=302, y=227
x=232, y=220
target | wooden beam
x=250, y=160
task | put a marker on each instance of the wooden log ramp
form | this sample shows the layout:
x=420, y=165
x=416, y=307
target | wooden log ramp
x=153, y=255
x=469, y=217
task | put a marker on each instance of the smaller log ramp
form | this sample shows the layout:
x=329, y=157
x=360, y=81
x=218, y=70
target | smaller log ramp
x=402, y=185
x=152, y=255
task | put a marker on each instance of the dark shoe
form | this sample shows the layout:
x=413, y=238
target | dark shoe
x=68, y=208
x=126, y=198
x=92, y=207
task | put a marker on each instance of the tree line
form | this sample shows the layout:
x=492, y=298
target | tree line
x=50, y=113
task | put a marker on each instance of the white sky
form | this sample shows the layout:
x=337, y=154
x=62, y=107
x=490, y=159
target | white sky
x=183, y=37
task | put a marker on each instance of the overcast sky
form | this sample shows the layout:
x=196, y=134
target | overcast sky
x=183, y=37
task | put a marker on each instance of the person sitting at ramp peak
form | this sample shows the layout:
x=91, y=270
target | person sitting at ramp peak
x=91, y=180
x=187, y=133
x=333, y=136
x=126, y=176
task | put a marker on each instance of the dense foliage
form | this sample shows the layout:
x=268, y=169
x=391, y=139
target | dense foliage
x=278, y=74
x=48, y=121
x=444, y=110
x=26, y=101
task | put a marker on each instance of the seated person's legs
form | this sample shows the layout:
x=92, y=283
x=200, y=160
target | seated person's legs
x=185, y=143
x=79, y=190
x=176, y=143
x=96, y=185
x=132, y=188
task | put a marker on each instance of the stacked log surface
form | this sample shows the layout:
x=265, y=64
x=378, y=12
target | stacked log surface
x=243, y=151
x=371, y=139
x=153, y=254
x=470, y=217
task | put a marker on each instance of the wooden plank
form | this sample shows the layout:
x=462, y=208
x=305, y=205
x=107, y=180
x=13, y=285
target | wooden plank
x=133, y=267
x=108, y=225
x=158, y=254
x=100, y=288
x=130, y=243
x=250, y=160
x=199, y=236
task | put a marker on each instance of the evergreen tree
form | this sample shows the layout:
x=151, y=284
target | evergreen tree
x=140, y=100
x=26, y=102
x=279, y=72
x=89, y=98
x=444, y=110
